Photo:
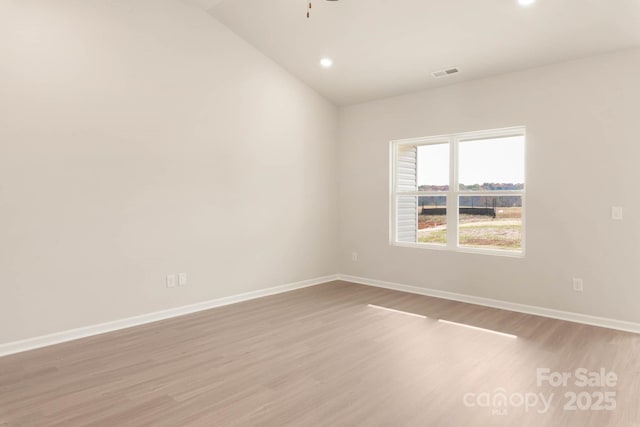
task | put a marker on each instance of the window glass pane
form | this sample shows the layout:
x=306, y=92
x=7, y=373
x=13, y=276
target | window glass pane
x=432, y=219
x=433, y=167
x=491, y=164
x=491, y=222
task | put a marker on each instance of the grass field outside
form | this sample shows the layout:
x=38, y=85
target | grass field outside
x=502, y=232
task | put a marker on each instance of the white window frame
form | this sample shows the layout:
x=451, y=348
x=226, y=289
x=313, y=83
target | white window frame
x=454, y=192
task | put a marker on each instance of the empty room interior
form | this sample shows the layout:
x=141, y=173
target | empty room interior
x=319, y=213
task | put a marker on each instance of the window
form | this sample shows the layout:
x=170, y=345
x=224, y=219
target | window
x=462, y=192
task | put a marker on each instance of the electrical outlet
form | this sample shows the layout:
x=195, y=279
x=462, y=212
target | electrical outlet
x=182, y=279
x=354, y=256
x=578, y=285
x=171, y=281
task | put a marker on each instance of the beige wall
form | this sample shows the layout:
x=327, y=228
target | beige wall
x=583, y=150
x=142, y=138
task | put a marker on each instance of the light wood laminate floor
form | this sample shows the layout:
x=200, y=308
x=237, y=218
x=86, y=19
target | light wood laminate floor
x=322, y=356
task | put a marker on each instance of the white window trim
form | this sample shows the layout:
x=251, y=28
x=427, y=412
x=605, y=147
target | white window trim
x=454, y=193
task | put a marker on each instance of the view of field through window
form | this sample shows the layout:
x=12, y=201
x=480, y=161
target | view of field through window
x=484, y=222
x=485, y=166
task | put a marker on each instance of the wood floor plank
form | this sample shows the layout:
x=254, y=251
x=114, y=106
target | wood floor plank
x=329, y=355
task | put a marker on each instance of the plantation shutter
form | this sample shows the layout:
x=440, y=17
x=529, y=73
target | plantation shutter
x=407, y=206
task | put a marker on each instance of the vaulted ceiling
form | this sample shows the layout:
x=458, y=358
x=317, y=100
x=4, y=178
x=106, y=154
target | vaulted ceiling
x=382, y=48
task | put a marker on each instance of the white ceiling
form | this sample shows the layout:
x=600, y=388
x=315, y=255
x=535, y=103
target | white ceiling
x=383, y=48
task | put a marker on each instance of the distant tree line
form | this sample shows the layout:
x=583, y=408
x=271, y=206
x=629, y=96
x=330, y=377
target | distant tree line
x=492, y=186
x=487, y=186
x=474, y=201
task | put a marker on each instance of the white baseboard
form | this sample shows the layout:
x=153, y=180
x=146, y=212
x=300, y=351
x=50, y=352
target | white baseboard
x=603, y=322
x=74, y=334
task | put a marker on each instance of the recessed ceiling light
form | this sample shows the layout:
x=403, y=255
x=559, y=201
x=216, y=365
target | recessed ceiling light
x=326, y=62
x=526, y=2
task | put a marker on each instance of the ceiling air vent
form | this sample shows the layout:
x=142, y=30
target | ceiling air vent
x=445, y=73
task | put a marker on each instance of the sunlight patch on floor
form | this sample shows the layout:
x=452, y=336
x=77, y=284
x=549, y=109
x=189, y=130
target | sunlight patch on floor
x=477, y=328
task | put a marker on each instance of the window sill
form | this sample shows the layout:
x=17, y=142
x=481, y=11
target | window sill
x=462, y=249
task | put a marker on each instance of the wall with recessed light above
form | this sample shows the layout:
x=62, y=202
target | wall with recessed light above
x=581, y=158
x=143, y=138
